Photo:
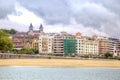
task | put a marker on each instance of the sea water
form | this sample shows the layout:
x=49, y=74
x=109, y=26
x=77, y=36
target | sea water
x=58, y=73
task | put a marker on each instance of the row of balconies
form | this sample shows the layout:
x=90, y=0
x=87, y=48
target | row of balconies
x=87, y=53
x=87, y=49
x=88, y=46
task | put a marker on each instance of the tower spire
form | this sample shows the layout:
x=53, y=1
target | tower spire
x=31, y=27
x=41, y=28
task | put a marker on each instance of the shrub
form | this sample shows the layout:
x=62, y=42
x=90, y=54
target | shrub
x=108, y=55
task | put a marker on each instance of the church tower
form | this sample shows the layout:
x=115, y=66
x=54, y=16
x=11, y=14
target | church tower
x=41, y=28
x=30, y=32
x=31, y=27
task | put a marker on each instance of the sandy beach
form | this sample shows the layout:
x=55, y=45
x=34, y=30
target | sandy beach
x=60, y=63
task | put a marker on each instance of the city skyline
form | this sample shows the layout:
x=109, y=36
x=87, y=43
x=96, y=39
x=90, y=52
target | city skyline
x=64, y=43
x=86, y=16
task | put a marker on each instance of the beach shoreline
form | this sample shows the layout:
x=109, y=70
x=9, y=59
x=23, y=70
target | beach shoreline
x=61, y=63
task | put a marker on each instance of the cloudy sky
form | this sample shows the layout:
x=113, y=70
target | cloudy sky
x=89, y=17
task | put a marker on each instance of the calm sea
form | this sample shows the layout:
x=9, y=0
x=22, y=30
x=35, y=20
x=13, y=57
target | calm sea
x=57, y=73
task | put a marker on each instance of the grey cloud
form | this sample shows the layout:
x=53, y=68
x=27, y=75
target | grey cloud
x=102, y=15
x=6, y=7
x=112, y=5
x=94, y=15
x=59, y=11
x=52, y=11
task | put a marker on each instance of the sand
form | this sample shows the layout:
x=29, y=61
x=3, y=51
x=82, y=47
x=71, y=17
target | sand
x=60, y=63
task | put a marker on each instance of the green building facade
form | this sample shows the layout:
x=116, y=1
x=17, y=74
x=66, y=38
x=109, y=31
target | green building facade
x=69, y=47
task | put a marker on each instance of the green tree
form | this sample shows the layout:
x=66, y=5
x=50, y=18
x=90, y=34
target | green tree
x=27, y=51
x=5, y=42
x=11, y=31
x=35, y=51
x=3, y=33
x=108, y=55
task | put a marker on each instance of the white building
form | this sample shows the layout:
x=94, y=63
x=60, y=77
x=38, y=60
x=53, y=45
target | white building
x=112, y=45
x=118, y=48
x=86, y=45
x=46, y=44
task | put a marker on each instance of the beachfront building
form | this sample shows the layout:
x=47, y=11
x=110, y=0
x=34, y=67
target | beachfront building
x=69, y=46
x=35, y=44
x=86, y=45
x=58, y=48
x=112, y=45
x=103, y=45
x=58, y=45
x=46, y=44
x=64, y=44
x=27, y=39
x=117, y=51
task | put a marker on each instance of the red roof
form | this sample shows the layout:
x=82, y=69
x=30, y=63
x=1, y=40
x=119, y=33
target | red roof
x=78, y=32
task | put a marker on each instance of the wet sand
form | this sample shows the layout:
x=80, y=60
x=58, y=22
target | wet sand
x=60, y=63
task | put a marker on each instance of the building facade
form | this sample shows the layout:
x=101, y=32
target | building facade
x=112, y=45
x=64, y=44
x=103, y=45
x=69, y=47
x=58, y=43
x=27, y=39
x=118, y=49
x=46, y=44
x=86, y=45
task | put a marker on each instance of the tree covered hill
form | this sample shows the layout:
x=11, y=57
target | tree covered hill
x=10, y=31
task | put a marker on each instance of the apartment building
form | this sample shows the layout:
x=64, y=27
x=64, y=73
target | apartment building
x=86, y=45
x=69, y=45
x=112, y=45
x=59, y=43
x=117, y=52
x=46, y=44
x=103, y=45
x=35, y=44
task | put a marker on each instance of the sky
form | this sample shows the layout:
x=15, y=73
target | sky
x=101, y=17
